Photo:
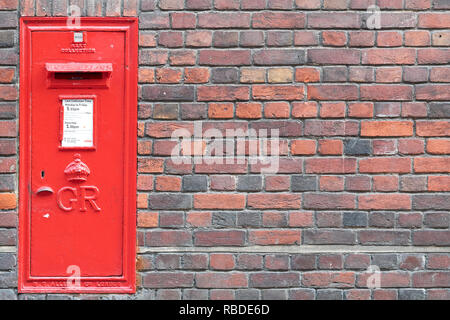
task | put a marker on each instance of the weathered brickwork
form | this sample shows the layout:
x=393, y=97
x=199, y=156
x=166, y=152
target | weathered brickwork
x=363, y=113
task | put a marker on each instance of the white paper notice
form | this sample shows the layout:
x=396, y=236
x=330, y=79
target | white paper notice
x=78, y=123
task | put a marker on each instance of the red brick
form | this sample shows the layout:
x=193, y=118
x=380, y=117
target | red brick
x=329, y=201
x=433, y=92
x=7, y=201
x=224, y=57
x=331, y=147
x=411, y=146
x=331, y=165
x=385, y=183
x=307, y=75
x=391, y=279
x=425, y=165
x=438, y=261
x=147, y=219
x=360, y=110
x=274, y=237
x=385, y=165
x=221, y=261
x=301, y=219
x=331, y=183
x=304, y=109
x=384, y=202
x=277, y=92
x=332, y=92
x=433, y=128
x=6, y=75
x=329, y=279
x=278, y=20
x=274, y=201
x=434, y=20
x=219, y=201
x=248, y=110
x=303, y=147
x=389, y=56
x=222, y=93
x=167, y=183
x=220, y=110
x=332, y=110
x=334, y=38
x=199, y=219
x=438, y=146
x=198, y=38
x=386, y=128
x=416, y=38
x=388, y=75
x=276, y=110
x=196, y=75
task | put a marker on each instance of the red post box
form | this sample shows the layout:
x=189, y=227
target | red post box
x=78, y=122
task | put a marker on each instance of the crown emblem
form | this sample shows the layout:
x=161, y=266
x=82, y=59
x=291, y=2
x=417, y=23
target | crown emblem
x=77, y=170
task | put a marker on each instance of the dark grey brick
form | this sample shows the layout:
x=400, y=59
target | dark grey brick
x=165, y=111
x=329, y=294
x=355, y=219
x=224, y=219
x=357, y=147
x=303, y=183
x=8, y=237
x=411, y=294
x=7, y=261
x=170, y=201
x=8, y=279
x=247, y=294
x=193, y=111
x=437, y=220
x=385, y=261
x=168, y=261
x=7, y=182
x=249, y=183
x=274, y=294
x=6, y=39
x=32, y=297
x=195, y=183
x=441, y=4
x=168, y=93
x=8, y=19
x=431, y=201
x=249, y=219
x=279, y=57
x=279, y=38
x=439, y=110
x=252, y=38
x=335, y=74
x=387, y=109
x=7, y=111
x=225, y=39
x=303, y=262
x=7, y=294
x=382, y=219
x=225, y=75
x=195, y=294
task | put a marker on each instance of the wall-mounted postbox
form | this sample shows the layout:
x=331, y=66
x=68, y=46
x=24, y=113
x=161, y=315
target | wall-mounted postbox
x=78, y=120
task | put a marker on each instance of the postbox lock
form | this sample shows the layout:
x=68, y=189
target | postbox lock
x=77, y=170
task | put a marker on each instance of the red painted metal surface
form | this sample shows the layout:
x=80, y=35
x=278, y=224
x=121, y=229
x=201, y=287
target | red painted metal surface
x=77, y=227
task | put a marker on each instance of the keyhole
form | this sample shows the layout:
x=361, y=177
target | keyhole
x=42, y=174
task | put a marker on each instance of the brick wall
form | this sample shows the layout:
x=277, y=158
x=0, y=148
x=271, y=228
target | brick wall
x=363, y=119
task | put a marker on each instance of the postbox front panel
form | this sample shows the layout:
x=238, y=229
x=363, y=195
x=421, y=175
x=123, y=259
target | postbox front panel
x=78, y=142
